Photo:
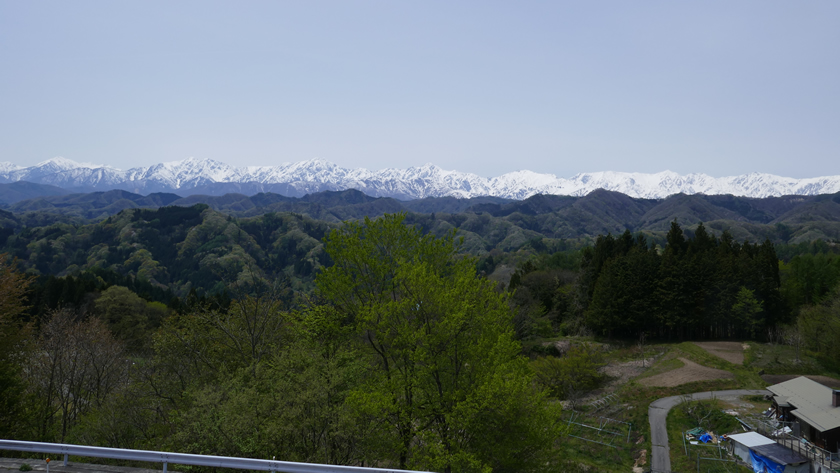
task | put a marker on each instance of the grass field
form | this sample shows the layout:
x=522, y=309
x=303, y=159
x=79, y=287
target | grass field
x=632, y=399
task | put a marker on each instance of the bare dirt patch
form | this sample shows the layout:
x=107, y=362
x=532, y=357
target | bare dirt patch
x=781, y=378
x=732, y=352
x=618, y=374
x=621, y=373
x=689, y=373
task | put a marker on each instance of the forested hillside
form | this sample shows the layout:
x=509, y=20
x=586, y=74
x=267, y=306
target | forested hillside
x=788, y=219
x=389, y=364
x=278, y=334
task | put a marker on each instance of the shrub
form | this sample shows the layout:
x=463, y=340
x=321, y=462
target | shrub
x=571, y=375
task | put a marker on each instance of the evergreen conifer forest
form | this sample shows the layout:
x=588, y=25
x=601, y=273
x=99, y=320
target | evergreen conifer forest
x=410, y=340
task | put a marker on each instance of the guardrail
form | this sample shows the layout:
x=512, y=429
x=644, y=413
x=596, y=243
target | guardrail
x=185, y=458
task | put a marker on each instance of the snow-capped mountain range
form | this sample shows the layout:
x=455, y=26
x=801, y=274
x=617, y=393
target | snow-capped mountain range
x=205, y=176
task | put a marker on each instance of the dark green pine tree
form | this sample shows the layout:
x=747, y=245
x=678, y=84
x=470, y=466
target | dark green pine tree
x=623, y=299
x=674, y=289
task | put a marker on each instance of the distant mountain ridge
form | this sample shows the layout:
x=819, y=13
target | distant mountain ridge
x=787, y=219
x=208, y=177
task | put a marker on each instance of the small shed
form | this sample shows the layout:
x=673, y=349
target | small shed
x=778, y=458
x=742, y=443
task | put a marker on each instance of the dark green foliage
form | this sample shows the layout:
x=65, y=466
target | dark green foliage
x=544, y=293
x=808, y=278
x=13, y=348
x=695, y=288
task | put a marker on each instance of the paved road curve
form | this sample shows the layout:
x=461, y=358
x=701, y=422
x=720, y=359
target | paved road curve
x=660, y=460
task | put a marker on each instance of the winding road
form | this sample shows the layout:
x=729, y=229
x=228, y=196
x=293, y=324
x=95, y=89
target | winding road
x=660, y=459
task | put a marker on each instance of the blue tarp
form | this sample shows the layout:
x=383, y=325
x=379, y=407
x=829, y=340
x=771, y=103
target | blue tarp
x=705, y=438
x=762, y=464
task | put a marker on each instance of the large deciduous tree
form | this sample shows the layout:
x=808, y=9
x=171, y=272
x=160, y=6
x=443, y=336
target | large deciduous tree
x=447, y=383
x=13, y=286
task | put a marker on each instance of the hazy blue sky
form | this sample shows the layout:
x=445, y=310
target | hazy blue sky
x=718, y=87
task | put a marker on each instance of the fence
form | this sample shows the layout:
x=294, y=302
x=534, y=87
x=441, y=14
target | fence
x=598, y=429
x=719, y=465
x=165, y=458
x=709, y=448
x=712, y=457
x=774, y=429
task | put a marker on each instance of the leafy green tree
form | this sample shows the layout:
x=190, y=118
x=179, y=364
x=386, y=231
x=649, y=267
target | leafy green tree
x=77, y=366
x=573, y=373
x=746, y=310
x=819, y=326
x=291, y=404
x=13, y=349
x=130, y=318
x=446, y=377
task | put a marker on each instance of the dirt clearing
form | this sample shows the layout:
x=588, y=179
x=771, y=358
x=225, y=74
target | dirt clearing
x=689, y=373
x=732, y=352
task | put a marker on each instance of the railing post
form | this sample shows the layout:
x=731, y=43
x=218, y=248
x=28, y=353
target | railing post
x=65, y=459
x=165, y=465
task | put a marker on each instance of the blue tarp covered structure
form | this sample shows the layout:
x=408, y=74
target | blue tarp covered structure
x=705, y=438
x=776, y=458
x=762, y=464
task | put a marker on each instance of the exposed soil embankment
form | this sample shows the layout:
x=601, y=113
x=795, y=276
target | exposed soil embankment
x=689, y=373
x=732, y=352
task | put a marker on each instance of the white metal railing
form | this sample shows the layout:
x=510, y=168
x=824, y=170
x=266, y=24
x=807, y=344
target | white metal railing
x=185, y=458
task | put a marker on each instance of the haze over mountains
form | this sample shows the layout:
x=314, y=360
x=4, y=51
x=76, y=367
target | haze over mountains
x=208, y=177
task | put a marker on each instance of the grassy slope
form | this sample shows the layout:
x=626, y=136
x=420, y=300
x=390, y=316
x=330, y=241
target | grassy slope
x=637, y=399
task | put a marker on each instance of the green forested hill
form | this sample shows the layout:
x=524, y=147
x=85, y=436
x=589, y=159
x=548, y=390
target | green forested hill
x=197, y=247
x=179, y=247
x=229, y=316
x=789, y=219
x=200, y=242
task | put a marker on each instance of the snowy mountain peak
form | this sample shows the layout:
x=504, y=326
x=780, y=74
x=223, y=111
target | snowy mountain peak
x=7, y=167
x=201, y=175
x=60, y=162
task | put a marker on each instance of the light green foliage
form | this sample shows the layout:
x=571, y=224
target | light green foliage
x=807, y=278
x=284, y=396
x=212, y=342
x=446, y=375
x=130, y=318
x=819, y=328
x=147, y=268
x=747, y=309
x=573, y=373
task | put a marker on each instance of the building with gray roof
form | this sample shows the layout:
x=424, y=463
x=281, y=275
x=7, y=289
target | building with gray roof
x=816, y=408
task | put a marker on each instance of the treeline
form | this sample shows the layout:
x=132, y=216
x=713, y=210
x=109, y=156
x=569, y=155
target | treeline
x=701, y=287
x=694, y=285
x=403, y=356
